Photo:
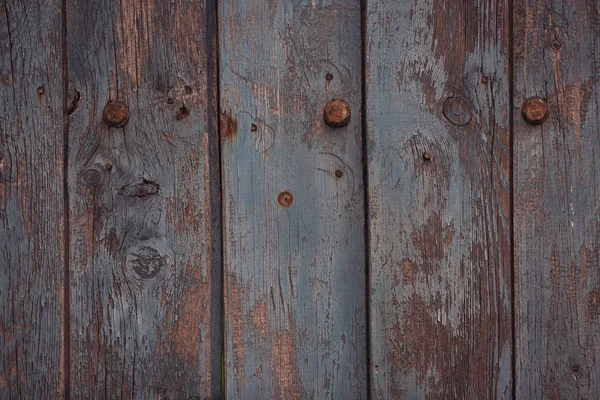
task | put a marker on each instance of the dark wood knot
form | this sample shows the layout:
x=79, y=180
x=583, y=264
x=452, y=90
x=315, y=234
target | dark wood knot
x=92, y=177
x=149, y=257
x=140, y=189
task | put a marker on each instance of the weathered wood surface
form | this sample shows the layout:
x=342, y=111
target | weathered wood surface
x=557, y=229
x=145, y=251
x=32, y=243
x=295, y=301
x=437, y=83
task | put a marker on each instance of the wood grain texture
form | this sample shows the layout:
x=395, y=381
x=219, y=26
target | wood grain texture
x=294, y=256
x=557, y=230
x=144, y=233
x=437, y=82
x=31, y=200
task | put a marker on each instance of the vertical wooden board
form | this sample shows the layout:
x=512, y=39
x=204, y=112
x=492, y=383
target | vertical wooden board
x=145, y=222
x=438, y=159
x=32, y=241
x=295, y=324
x=557, y=233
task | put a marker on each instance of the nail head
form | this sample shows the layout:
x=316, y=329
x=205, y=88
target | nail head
x=285, y=199
x=535, y=110
x=116, y=114
x=336, y=113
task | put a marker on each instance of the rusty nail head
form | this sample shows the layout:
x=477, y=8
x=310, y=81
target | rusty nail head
x=336, y=113
x=116, y=114
x=41, y=90
x=285, y=199
x=426, y=156
x=535, y=110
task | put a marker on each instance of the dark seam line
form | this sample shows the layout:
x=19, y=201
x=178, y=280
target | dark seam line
x=216, y=196
x=512, y=195
x=66, y=210
x=363, y=47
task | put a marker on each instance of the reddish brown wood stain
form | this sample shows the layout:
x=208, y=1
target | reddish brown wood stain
x=229, y=125
x=146, y=248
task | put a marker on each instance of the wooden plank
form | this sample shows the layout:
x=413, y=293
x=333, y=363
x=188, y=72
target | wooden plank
x=557, y=234
x=143, y=198
x=293, y=200
x=438, y=159
x=32, y=244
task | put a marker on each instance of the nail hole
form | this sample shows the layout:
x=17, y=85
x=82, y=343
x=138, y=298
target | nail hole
x=426, y=156
x=575, y=369
x=556, y=45
x=338, y=173
x=329, y=77
x=188, y=90
x=484, y=79
x=253, y=128
x=285, y=199
x=170, y=100
x=41, y=90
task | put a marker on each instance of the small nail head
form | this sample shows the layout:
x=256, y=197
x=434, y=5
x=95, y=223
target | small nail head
x=41, y=90
x=336, y=113
x=285, y=199
x=339, y=173
x=116, y=114
x=535, y=110
x=426, y=156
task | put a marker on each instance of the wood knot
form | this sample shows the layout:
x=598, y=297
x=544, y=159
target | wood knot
x=73, y=96
x=183, y=113
x=92, y=177
x=140, y=189
x=149, y=257
x=457, y=111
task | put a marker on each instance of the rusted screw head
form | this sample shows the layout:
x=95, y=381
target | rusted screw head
x=116, y=114
x=336, y=113
x=535, y=110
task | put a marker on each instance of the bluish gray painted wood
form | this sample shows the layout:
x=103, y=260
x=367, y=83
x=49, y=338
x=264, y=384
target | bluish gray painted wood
x=557, y=182
x=32, y=244
x=144, y=217
x=437, y=83
x=294, y=274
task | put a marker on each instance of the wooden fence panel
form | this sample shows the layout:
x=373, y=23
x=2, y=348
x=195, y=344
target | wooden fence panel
x=145, y=253
x=438, y=159
x=557, y=229
x=32, y=244
x=293, y=200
